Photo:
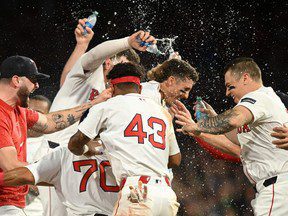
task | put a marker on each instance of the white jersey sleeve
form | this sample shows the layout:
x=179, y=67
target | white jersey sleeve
x=48, y=168
x=94, y=122
x=257, y=103
x=96, y=56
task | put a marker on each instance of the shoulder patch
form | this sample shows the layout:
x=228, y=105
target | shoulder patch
x=249, y=100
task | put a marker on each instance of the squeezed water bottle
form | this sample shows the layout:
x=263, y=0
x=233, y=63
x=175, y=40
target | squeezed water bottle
x=152, y=48
x=91, y=21
x=200, y=104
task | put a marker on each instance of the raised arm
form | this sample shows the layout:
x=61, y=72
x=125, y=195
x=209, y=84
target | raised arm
x=79, y=50
x=96, y=56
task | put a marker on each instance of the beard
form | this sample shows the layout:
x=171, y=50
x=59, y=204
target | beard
x=23, y=94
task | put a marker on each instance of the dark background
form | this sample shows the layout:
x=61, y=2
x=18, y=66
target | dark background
x=211, y=33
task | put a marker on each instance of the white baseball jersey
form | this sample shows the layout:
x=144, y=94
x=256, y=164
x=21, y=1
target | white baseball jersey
x=80, y=85
x=86, y=185
x=261, y=159
x=34, y=145
x=137, y=132
x=152, y=89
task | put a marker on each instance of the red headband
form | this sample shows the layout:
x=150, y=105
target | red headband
x=126, y=79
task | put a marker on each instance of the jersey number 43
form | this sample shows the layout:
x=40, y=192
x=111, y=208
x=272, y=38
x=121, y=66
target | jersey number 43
x=137, y=122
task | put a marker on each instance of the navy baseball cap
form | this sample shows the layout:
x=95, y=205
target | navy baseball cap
x=20, y=66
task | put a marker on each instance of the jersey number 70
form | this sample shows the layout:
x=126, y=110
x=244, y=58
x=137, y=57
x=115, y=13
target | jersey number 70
x=93, y=168
x=137, y=121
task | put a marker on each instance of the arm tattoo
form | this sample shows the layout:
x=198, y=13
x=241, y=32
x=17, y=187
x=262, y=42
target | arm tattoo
x=71, y=119
x=219, y=124
x=59, y=121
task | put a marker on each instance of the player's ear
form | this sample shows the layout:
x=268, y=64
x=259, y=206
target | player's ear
x=171, y=80
x=107, y=64
x=112, y=89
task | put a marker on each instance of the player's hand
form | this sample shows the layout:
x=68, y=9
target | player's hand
x=182, y=114
x=105, y=95
x=142, y=36
x=209, y=110
x=281, y=133
x=80, y=38
x=139, y=194
x=94, y=147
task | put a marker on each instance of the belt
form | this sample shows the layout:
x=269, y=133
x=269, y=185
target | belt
x=145, y=180
x=268, y=182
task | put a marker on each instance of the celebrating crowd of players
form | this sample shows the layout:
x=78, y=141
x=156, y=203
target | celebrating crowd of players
x=118, y=159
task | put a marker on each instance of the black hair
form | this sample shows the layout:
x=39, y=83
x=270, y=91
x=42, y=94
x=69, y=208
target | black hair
x=126, y=69
x=41, y=98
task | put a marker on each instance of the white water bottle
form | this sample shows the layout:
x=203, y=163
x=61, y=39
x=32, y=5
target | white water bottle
x=152, y=48
x=91, y=21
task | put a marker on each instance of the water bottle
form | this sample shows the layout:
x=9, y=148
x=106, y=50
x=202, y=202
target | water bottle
x=152, y=48
x=91, y=21
x=200, y=104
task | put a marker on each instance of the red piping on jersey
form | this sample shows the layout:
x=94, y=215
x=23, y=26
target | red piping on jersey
x=133, y=79
x=272, y=200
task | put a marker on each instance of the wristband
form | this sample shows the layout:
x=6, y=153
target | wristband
x=85, y=148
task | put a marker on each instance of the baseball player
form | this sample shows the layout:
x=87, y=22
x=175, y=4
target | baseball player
x=139, y=140
x=84, y=82
x=19, y=77
x=169, y=81
x=83, y=184
x=46, y=194
x=254, y=117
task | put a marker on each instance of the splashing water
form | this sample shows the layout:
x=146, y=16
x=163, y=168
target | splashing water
x=165, y=45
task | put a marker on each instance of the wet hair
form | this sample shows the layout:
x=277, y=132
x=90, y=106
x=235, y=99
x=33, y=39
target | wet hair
x=126, y=69
x=173, y=67
x=42, y=98
x=242, y=65
x=130, y=54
